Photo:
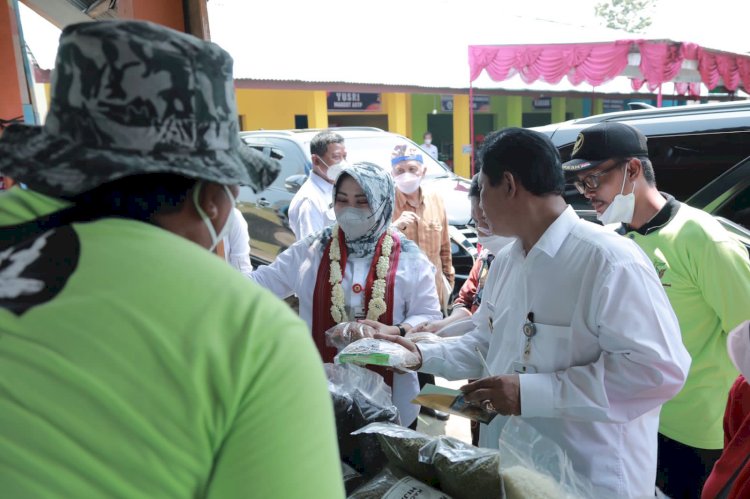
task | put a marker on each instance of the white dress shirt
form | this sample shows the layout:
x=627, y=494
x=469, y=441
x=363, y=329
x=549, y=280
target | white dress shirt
x=311, y=208
x=431, y=149
x=237, y=243
x=607, y=352
x=414, y=297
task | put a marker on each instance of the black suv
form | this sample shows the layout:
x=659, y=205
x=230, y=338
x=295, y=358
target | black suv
x=700, y=153
x=267, y=212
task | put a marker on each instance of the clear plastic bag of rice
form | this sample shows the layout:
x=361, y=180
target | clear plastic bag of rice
x=401, y=446
x=464, y=471
x=524, y=483
x=369, y=351
x=392, y=483
x=535, y=467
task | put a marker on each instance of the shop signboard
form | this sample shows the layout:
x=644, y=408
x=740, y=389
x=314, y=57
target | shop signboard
x=353, y=101
x=481, y=103
x=610, y=105
x=542, y=103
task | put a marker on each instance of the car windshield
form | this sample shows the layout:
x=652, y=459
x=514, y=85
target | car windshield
x=378, y=150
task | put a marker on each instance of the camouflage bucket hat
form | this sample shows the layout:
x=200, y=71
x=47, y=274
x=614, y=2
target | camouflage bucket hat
x=130, y=98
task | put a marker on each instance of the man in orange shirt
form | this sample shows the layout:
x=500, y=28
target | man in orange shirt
x=420, y=216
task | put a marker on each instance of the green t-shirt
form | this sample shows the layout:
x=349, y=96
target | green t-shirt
x=706, y=275
x=134, y=363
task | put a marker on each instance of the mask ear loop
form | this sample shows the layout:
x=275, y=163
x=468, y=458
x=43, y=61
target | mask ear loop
x=624, y=177
x=215, y=238
x=203, y=215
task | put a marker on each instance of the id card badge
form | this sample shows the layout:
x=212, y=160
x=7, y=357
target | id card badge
x=521, y=368
x=490, y=316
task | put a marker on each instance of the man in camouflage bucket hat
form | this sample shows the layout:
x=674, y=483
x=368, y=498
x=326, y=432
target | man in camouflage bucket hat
x=134, y=363
x=133, y=98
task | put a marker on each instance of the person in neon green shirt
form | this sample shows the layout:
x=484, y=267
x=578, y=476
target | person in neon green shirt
x=134, y=362
x=706, y=275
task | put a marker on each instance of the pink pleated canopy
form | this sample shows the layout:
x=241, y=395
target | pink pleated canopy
x=597, y=63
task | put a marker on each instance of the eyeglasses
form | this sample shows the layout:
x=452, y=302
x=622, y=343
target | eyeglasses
x=591, y=182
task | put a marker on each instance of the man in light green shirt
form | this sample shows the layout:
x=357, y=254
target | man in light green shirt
x=706, y=275
x=134, y=362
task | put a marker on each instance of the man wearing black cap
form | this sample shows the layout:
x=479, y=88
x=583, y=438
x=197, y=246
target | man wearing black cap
x=706, y=275
x=555, y=340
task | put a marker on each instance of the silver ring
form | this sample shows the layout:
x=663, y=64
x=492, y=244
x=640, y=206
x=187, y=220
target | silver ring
x=487, y=406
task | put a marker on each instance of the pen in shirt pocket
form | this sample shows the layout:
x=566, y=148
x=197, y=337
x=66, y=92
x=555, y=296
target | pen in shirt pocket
x=484, y=362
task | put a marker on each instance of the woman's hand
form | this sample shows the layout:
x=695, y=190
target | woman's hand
x=379, y=327
x=342, y=334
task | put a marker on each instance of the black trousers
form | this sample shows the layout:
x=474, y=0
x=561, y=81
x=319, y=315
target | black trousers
x=681, y=470
x=425, y=378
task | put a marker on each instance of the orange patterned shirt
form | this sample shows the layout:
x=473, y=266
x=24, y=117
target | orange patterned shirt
x=430, y=233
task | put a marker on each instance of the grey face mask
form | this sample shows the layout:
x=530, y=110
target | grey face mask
x=355, y=222
x=215, y=238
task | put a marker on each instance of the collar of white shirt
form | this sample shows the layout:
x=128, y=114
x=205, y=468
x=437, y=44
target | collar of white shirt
x=556, y=233
x=320, y=184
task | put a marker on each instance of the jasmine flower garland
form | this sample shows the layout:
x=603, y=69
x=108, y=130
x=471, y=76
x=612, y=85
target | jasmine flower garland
x=338, y=312
x=377, y=305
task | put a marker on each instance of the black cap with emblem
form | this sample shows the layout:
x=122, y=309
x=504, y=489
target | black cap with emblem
x=603, y=141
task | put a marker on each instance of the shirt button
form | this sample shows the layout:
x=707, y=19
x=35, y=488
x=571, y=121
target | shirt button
x=631, y=236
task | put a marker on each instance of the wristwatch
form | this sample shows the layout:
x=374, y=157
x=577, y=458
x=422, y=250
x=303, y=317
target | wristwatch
x=401, y=329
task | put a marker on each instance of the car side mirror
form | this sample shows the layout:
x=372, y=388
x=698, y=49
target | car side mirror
x=294, y=182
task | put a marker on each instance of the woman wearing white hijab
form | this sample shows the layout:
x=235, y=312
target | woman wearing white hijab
x=359, y=268
x=730, y=477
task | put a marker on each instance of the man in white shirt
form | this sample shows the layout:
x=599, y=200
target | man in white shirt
x=236, y=244
x=579, y=336
x=428, y=146
x=311, y=208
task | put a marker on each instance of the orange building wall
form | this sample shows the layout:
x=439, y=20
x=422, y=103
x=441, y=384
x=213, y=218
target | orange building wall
x=166, y=12
x=10, y=91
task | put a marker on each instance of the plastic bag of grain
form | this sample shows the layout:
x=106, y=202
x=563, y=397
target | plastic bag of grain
x=464, y=471
x=401, y=447
x=369, y=351
x=534, y=466
x=359, y=397
x=392, y=483
x=352, y=479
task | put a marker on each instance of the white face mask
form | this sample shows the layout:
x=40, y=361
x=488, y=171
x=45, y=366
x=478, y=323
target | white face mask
x=622, y=206
x=333, y=171
x=215, y=238
x=428, y=141
x=408, y=182
x=494, y=243
x=738, y=345
x=355, y=222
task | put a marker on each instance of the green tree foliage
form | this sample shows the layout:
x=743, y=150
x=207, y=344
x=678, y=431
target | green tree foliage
x=628, y=15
